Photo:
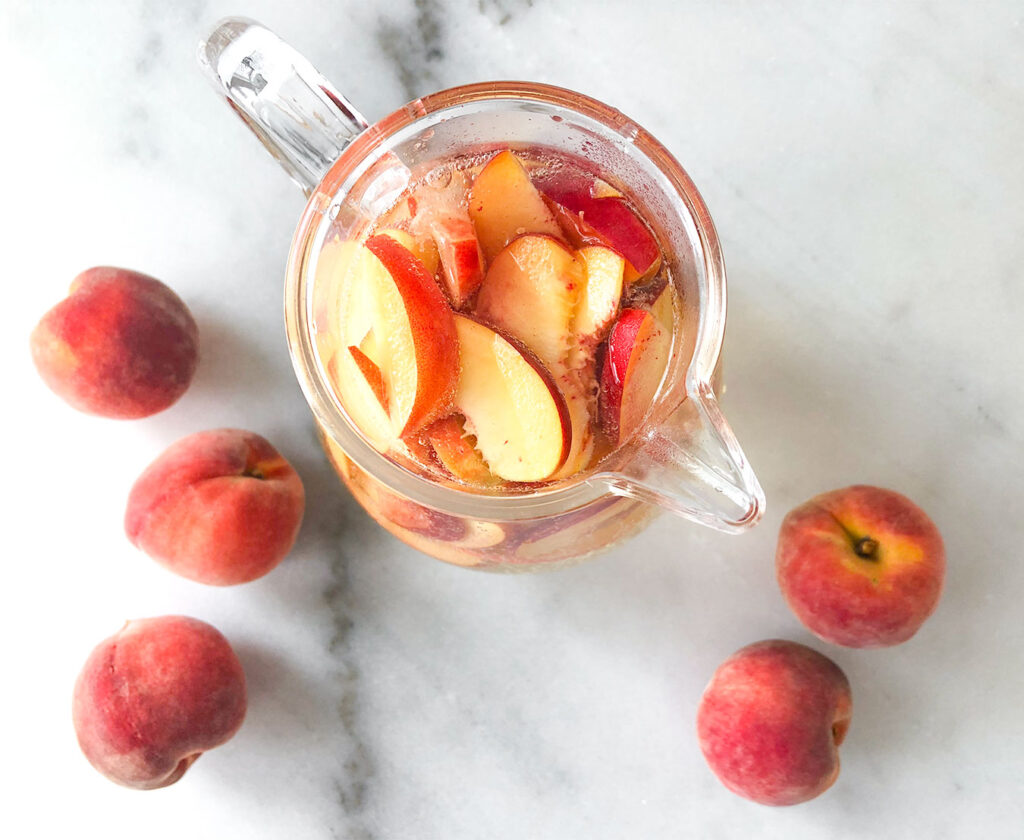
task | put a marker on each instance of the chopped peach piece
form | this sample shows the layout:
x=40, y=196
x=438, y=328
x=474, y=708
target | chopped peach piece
x=457, y=451
x=421, y=359
x=638, y=350
x=531, y=290
x=511, y=404
x=504, y=204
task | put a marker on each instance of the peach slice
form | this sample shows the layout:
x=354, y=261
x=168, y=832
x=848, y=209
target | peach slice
x=457, y=451
x=531, y=291
x=371, y=373
x=352, y=274
x=504, y=203
x=462, y=261
x=590, y=213
x=421, y=247
x=581, y=446
x=638, y=349
x=362, y=402
x=440, y=215
x=599, y=297
x=663, y=308
x=420, y=519
x=511, y=403
x=416, y=333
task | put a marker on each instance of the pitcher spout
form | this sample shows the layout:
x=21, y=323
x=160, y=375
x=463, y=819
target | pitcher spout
x=693, y=466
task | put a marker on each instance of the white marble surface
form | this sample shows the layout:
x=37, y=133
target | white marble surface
x=864, y=168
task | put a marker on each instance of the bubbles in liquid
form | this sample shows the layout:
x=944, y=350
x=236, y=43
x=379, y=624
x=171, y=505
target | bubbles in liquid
x=334, y=212
x=440, y=178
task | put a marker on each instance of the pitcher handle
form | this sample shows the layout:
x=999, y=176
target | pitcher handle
x=294, y=111
x=693, y=466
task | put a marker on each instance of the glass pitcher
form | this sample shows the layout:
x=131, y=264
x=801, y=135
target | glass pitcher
x=684, y=458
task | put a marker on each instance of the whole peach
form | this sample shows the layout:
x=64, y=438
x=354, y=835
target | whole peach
x=154, y=697
x=120, y=345
x=771, y=721
x=218, y=507
x=861, y=566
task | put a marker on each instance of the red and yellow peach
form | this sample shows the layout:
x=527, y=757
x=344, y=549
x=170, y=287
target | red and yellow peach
x=120, y=345
x=771, y=720
x=218, y=507
x=861, y=567
x=154, y=697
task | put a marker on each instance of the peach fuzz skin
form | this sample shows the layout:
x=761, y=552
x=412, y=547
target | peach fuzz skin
x=771, y=720
x=218, y=507
x=120, y=345
x=154, y=696
x=861, y=567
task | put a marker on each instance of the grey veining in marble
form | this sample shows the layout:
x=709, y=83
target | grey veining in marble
x=863, y=166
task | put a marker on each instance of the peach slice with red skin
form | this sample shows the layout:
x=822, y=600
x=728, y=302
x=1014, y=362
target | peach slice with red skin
x=462, y=261
x=456, y=451
x=511, y=404
x=599, y=295
x=504, y=204
x=420, y=519
x=591, y=215
x=371, y=373
x=634, y=362
x=440, y=215
x=531, y=291
x=536, y=290
x=414, y=325
x=348, y=274
x=367, y=303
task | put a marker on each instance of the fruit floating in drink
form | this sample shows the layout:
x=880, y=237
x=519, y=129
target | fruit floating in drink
x=502, y=327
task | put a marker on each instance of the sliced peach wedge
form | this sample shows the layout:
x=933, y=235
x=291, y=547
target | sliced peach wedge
x=354, y=275
x=422, y=247
x=414, y=331
x=504, y=203
x=362, y=400
x=638, y=350
x=534, y=290
x=441, y=216
x=663, y=308
x=511, y=404
x=371, y=373
x=462, y=261
x=592, y=213
x=456, y=450
x=604, y=270
x=531, y=291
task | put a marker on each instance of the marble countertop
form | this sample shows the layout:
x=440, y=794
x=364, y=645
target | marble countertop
x=864, y=169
